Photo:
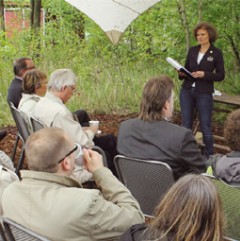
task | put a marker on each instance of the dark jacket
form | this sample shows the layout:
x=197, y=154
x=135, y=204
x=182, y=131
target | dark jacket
x=135, y=233
x=138, y=232
x=15, y=91
x=212, y=64
x=163, y=141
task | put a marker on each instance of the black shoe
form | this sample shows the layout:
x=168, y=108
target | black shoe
x=2, y=134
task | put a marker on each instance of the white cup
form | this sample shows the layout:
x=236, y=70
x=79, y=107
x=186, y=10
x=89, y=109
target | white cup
x=94, y=123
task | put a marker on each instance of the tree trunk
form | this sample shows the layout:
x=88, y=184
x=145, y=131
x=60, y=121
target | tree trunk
x=185, y=23
x=2, y=19
x=200, y=6
x=35, y=13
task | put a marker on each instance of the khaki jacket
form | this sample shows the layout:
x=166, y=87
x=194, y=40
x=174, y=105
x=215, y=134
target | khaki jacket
x=51, y=111
x=26, y=106
x=58, y=208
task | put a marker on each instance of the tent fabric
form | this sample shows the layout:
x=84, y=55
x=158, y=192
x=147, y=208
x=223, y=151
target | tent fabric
x=113, y=16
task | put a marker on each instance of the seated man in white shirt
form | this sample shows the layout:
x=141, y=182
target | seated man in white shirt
x=51, y=110
x=54, y=205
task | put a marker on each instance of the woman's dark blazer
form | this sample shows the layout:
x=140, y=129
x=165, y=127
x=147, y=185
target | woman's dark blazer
x=212, y=64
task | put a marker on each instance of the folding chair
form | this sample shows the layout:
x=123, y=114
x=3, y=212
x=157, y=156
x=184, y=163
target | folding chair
x=23, y=134
x=36, y=124
x=2, y=233
x=230, y=196
x=16, y=232
x=147, y=180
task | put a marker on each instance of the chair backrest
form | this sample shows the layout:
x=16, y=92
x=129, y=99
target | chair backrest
x=147, y=180
x=230, y=196
x=20, y=122
x=36, y=124
x=16, y=232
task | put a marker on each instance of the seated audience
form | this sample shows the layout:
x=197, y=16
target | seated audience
x=34, y=87
x=52, y=204
x=228, y=166
x=153, y=136
x=52, y=111
x=20, y=67
x=191, y=210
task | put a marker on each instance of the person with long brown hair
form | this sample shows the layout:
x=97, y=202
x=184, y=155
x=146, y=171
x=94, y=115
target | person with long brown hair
x=190, y=211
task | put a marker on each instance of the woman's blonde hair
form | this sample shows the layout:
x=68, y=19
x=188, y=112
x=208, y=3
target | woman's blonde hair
x=33, y=79
x=190, y=211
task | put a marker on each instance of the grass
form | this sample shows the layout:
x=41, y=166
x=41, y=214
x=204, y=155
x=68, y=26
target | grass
x=106, y=84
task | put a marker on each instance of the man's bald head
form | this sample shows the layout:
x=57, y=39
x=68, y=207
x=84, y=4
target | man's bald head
x=45, y=148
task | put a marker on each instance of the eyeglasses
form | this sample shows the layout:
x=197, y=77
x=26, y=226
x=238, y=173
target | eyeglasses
x=72, y=87
x=69, y=153
x=78, y=156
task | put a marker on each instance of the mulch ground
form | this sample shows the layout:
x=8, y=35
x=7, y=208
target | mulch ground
x=109, y=123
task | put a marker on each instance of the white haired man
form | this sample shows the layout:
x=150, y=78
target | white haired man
x=54, y=205
x=51, y=110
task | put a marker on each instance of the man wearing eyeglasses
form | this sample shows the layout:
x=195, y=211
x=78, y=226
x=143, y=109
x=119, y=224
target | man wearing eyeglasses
x=52, y=204
x=20, y=67
x=52, y=111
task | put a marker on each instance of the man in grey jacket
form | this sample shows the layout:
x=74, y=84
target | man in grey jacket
x=52, y=204
x=152, y=136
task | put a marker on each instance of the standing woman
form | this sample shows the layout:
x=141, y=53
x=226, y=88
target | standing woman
x=206, y=64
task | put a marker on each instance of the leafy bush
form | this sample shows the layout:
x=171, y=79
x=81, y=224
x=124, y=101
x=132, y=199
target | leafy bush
x=111, y=78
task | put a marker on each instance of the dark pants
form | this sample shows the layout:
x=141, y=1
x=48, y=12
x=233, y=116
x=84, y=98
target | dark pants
x=2, y=134
x=82, y=117
x=191, y=102
x=109, y=145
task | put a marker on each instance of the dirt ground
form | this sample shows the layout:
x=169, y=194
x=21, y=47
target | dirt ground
x=109, y=123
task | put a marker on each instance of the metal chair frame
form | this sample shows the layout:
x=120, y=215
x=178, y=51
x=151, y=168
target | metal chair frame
x=22, y=135
x=230, y=196
x=16, y=232
x=36, y=124
x=148, y=180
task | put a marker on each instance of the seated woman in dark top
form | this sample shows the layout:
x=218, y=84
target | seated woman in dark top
x=228, y=167
x=191, y=210
x=152, y=136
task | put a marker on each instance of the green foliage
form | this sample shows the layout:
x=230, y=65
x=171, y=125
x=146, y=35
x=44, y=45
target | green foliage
x=111, y=78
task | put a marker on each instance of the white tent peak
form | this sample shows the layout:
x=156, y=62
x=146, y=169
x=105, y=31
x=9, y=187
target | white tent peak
x=113, y=16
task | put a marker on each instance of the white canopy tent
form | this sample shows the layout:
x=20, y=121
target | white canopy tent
x=113, y=16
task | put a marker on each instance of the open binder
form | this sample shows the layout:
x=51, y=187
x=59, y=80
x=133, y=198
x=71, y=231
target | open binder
x=178, y=66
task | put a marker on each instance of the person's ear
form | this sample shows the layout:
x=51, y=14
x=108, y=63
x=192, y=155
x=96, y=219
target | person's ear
x=66, y=164
x=63, y=88
x=166, y=105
